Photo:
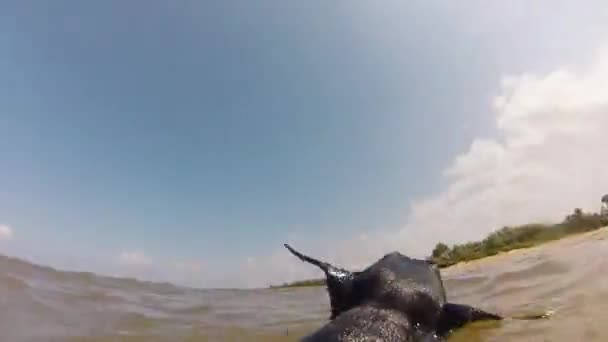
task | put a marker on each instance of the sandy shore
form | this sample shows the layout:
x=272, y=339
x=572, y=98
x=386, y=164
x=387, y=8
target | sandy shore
x=473, y=265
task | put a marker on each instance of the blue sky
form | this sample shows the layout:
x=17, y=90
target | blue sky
x=211, y=132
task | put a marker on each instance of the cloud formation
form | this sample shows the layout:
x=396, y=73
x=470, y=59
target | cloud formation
x=550, y=156
x=6, y=233
x=134, y=258
x=189, y=266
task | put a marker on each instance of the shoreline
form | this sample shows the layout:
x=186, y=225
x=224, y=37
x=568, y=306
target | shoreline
x=600, y=233
x=563, y=241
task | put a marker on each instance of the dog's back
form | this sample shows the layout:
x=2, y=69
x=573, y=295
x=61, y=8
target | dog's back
x=369, y=323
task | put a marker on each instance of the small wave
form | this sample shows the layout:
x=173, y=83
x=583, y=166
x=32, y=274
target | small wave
x=469, y=280
x=543, y=268
x=11, y=283
x=194, y=310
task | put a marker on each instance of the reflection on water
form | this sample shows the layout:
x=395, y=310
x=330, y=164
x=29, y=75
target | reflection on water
x=568, y=276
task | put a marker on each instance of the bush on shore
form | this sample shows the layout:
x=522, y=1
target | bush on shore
x=510, y=238
x=301, y=283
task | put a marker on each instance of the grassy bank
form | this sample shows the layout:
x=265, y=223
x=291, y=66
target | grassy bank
x=510, y=238
x=500, y=241
x=301, y=283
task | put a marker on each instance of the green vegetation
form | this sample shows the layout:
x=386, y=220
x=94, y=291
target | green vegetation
x=503, y=240
x=301, y=283
x=510, y=238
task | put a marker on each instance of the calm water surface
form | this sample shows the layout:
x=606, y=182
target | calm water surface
x=569, y=277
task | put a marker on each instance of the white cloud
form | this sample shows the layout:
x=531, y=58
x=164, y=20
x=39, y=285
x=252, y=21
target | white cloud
x=6, y=233
x=189, y=266
x=134, y=258
x=551, y=155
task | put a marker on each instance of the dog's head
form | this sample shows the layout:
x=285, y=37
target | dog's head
x=409, y=288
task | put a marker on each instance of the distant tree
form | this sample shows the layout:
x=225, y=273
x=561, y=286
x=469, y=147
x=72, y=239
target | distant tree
x=439, y=250
x=576, y=216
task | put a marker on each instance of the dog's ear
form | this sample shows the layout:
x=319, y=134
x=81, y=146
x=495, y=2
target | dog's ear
x=339, y=283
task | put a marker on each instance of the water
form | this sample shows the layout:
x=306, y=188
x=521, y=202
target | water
x=568, y=276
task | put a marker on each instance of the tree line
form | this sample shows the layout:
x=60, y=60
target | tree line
x=510, y=238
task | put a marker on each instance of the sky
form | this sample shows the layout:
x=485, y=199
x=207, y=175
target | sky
x=187, y=141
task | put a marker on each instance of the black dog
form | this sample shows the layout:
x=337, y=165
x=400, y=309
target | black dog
x=395, y=299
